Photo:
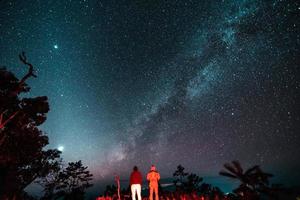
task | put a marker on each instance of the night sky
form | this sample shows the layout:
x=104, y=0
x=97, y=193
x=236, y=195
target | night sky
x=197, y=83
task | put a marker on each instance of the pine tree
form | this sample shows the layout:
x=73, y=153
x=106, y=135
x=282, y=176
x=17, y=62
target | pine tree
x=70, y=182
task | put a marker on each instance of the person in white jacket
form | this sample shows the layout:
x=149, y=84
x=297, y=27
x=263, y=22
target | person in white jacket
x=153, y=177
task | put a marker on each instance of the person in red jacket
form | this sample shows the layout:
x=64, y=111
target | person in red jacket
x=136, y=183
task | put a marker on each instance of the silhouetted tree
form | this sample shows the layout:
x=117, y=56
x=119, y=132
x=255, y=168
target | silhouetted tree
x=22, y=158
x=125, y=193
x=217, y=193
x=210, y=191
x=193, y=183
x=186, y=182
x=110, y=190
x=180, y=175
x=70, y=182
x=205, y=189
x=253, y=181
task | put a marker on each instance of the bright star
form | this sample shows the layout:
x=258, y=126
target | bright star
x=55, y=46
x=61, y=148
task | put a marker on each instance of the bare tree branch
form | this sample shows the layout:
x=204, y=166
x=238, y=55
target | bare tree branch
x=30, y=73
x=23, y=59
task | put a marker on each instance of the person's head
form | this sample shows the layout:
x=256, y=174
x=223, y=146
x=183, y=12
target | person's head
x=135, y=168
x=153, y=168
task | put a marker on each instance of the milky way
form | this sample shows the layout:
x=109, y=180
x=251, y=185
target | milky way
x=197, y=83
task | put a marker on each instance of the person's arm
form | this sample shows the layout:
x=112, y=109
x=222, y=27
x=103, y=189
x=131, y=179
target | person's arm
x=158, y=176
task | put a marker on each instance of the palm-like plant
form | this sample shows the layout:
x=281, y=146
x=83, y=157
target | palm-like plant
x=252, y=180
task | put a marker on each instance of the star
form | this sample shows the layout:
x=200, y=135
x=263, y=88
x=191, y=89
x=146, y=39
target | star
x=61, y=148
x=189, y=85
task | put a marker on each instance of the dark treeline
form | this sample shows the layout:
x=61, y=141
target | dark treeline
x=254, y=185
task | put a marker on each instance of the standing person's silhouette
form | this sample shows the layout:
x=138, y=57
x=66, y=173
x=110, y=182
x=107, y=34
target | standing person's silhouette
x=153, y=178
x=136, y=183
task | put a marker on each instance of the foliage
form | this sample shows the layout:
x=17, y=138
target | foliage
x=110, y=190
x=22, y=158
x=185, y=182
x=193, y=183
x=70, y=182
x=254, y=181
x=179, y=176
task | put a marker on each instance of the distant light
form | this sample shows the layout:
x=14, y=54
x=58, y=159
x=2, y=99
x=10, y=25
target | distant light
x=60, y=148
x=55, y=46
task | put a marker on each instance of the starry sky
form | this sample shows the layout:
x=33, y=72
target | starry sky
x=197, y=83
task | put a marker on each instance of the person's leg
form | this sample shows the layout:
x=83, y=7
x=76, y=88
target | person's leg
x=156, y=193
x=139, y=190
x=151, y=193
x=133, y=191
